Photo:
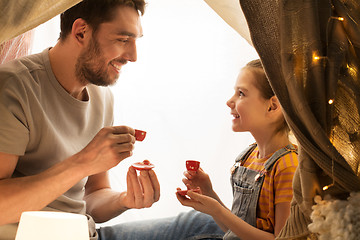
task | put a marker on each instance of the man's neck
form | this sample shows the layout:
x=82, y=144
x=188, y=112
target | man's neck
x=63, y=59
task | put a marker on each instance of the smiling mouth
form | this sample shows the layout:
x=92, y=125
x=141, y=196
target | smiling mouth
x=116, y=66
x=235, y=115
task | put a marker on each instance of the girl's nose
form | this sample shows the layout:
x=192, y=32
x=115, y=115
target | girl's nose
x=230, y=103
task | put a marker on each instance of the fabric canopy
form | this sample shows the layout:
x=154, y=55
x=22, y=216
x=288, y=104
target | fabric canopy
x=19, y=16
x=230, y=11
x=310, y=52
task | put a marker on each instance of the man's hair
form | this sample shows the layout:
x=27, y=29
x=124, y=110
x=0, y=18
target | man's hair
x=95, y=12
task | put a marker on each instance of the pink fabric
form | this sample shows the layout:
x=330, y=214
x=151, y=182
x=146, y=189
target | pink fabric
x=17, y=47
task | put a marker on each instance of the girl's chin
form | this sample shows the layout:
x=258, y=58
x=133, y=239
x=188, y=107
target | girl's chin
x=235, y=129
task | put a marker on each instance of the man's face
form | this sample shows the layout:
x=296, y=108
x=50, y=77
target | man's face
x=111, y=47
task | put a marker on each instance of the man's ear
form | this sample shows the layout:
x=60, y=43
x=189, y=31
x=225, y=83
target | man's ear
x=79, y=30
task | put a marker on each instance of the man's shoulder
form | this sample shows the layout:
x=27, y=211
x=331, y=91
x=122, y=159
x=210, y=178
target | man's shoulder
x=20, y=66
x=24, y=71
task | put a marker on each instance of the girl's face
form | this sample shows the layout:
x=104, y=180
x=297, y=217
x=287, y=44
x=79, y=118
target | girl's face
x=247, y=105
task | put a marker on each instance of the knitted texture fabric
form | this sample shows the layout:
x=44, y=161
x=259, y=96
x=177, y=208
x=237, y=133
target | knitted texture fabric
x=336, y=219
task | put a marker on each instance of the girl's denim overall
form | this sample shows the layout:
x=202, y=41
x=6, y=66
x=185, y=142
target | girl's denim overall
x=247, y=183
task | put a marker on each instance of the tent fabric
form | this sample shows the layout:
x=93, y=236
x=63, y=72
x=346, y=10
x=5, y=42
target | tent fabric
x=311, y=57
x=20, y=16
x=230, y=11
x=316, y=77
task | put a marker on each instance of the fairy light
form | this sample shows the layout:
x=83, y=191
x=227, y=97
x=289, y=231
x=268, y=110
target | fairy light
x=337, y=18
x=327, y=187
x=316, y=57
x=331, y=101
x=332, y=165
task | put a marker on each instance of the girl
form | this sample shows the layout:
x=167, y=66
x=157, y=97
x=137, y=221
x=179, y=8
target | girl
x=262, y=175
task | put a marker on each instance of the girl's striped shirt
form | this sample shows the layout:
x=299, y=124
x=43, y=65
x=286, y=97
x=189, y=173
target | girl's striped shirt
x=277, y=186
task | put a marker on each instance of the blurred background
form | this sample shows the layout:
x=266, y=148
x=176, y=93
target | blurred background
x=188, y=61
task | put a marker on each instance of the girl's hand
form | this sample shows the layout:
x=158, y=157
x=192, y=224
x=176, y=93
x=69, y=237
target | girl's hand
x=199, y=178
x=200, y=202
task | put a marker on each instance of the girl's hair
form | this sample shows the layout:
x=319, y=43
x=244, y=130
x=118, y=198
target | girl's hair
x=262, y=83
x=95, y=12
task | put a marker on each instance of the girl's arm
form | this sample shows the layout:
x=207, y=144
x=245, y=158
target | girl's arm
x=227, y=220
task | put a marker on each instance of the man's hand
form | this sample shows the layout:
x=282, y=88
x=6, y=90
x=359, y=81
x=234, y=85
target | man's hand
x=107, y=149
x=103, y=203
x=142, y=190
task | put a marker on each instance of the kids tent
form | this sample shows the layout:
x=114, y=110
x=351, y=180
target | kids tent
x=310, y=52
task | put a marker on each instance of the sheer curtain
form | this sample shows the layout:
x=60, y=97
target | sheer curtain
x=20, y=16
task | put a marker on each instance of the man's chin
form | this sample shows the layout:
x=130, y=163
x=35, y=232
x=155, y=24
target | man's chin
x=106, y=82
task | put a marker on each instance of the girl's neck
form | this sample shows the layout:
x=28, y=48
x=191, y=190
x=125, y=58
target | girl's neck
x=271, y=143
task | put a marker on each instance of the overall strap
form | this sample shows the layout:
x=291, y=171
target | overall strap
x=278, y=154
x=246, y=153
x=242, y=157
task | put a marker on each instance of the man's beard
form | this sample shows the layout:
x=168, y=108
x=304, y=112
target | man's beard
x=91, y=67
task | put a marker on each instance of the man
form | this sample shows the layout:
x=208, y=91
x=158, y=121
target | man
x=56, y=136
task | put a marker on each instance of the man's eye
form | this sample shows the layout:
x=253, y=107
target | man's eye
x=124, y=40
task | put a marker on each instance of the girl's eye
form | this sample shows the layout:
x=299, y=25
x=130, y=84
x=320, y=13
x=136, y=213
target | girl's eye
x=241, y=93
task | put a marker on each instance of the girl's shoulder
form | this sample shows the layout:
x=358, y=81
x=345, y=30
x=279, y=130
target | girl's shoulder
x=288, y=161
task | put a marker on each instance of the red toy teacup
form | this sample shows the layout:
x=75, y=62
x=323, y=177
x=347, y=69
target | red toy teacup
x=192, y=165
x=139, y=135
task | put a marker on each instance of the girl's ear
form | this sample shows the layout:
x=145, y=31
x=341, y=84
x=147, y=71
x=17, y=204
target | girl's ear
x=79, y=30
x=274, y=104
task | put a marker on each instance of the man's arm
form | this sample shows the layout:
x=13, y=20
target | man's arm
x=108, y=148
x=104, y=204
x=33, y=192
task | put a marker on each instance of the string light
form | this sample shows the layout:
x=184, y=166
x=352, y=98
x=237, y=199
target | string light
x=327, y=187
x=332, y=162
x=317, y=57
x=331, y=101
x=337, y=18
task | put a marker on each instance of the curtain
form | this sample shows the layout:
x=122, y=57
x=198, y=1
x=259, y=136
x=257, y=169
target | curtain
x=20, y=16
x=16, y=47
x=310, y=52
x=230, y=11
